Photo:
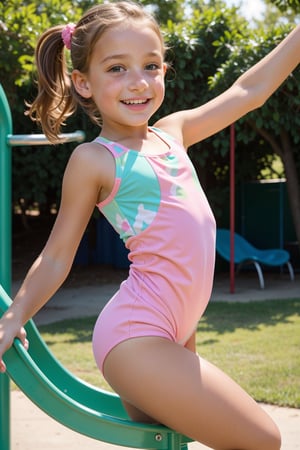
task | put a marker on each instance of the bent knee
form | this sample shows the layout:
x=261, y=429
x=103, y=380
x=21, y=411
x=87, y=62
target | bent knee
x=267, y=441
x=274, y=440
x=271, y=440
x=267, y=438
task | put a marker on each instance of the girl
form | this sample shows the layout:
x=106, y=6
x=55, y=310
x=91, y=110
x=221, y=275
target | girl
x=140, y=177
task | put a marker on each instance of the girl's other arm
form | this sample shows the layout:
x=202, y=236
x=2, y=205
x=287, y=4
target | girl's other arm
x=249, y=92
x=80, y=193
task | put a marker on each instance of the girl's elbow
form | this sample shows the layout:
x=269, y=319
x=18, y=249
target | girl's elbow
x=58, y=261
x=260, y=98
x=258, y=103
x=253, y=97
x=256, y=100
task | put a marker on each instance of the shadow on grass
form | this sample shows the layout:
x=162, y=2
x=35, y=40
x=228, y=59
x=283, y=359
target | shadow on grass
x=220, y=317
x=71, y=331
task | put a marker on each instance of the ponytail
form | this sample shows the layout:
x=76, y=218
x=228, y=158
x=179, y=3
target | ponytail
x=54, y=101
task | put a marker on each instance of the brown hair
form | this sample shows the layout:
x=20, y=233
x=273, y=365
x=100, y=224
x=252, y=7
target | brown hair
x=57, y=99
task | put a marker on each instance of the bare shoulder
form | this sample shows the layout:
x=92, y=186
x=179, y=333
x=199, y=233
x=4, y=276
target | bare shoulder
x=93, y=158
x=91, y=152
x=172, y=124
x=91, y=164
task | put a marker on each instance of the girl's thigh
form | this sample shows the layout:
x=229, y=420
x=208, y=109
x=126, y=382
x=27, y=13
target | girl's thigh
x=181, y=390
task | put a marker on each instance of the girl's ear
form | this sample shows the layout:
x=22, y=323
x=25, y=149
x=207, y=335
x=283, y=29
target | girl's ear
x=81, y=84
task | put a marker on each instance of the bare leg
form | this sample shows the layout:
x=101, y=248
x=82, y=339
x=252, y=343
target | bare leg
x=184, y=392
x=138, y=415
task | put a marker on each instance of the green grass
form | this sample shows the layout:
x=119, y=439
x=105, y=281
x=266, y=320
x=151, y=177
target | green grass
x=256, y=343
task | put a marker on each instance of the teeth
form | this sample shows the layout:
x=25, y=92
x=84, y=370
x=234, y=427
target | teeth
x=134, y=102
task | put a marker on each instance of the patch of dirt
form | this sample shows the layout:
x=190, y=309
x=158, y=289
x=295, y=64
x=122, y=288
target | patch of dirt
x=27, y=244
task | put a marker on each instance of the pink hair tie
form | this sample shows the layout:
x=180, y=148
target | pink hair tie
x=66, y=35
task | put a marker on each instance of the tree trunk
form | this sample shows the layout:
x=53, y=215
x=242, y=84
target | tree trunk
x=285, y=151
x=292, y=181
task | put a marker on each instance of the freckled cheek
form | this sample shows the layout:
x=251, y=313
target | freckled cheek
x=107, y=92
x=161, y=82
x=160, y=88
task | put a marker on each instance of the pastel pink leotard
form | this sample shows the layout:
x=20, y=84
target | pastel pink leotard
x=160, y=211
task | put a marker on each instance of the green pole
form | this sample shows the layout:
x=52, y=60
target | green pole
x=5, y=249
x=6, y=141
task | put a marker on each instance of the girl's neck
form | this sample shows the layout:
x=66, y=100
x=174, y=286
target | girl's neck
x=146, y=143
x=132, y=135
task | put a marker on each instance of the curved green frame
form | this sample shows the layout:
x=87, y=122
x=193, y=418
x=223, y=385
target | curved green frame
x=74, y=403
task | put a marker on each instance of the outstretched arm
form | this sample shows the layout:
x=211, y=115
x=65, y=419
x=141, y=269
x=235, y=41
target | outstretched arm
x=249, y=92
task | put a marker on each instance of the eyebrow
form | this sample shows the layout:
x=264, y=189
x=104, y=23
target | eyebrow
x=125, y=55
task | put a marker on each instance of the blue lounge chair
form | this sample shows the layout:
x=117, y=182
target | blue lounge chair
x=245, y=253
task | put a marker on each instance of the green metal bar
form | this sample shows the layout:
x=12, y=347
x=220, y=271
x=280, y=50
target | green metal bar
x=83, y=408
x=5, y=249
x=5, y=193
x=4, y=412
x=7, y=140
x=18, y=140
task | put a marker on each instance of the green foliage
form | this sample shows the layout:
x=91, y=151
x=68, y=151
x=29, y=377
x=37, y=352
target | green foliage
x=21, y=25
x=37, y=173
x=40, y=170
x=284, y=5
x=166, y=10
x=195, y=57
x=280, y=112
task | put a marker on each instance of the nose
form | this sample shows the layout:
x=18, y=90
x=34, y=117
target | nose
x=137, y=81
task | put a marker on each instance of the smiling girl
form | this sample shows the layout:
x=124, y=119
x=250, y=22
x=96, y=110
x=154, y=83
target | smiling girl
x=141, y=179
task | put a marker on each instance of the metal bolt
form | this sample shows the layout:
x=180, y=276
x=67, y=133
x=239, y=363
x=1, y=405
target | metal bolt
x=158, y=437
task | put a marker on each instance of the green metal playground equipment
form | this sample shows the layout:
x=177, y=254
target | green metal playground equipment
x=72, y=402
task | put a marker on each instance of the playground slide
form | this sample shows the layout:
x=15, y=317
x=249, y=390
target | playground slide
x=74, y=403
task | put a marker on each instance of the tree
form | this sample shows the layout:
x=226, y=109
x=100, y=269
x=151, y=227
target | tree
x=166, y=9
x=21, y=25
x=279, y=12
x=284, y=5
x=278, y=121
x=35, y=171
x=194, y=58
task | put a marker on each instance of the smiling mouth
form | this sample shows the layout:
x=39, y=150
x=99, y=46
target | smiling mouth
x=135, y=102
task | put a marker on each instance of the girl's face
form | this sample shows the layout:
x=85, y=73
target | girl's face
x=126, y=76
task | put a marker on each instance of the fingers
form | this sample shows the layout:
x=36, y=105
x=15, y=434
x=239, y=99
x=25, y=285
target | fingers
x=2, y=366
x=26, y=344
x=22, y=336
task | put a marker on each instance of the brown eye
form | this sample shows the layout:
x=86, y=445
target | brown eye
x=152, y=66
x=116, y=69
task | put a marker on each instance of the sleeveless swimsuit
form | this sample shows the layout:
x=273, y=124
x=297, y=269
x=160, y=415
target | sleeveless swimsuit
x=160, y=211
